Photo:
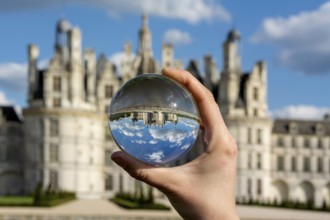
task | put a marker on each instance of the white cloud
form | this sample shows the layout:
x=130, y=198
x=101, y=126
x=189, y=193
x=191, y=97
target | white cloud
x=185, y=147
x=153, y=142
x=173, y=136
x=156, y=156
x=176, y=36
x=118, y=58
x=13, y=76
x=3, y=99
x=300, y=112
x=139, y=142
x=302, y=39
x=192, y=11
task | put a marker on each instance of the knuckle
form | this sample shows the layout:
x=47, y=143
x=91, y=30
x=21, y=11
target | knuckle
x=139, y=174
x=231, y=150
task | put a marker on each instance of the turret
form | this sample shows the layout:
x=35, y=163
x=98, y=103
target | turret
x=145, y=41
x=33, y=54
x=74, y=45
x=327, y=117
x=231, y=52
x=167, y=55
x=61, y=40
x=256, y=91
x=230, y=76
x=126, y=62
x=210, y=72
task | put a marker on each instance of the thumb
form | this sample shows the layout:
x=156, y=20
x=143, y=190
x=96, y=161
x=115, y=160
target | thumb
x=159, y=177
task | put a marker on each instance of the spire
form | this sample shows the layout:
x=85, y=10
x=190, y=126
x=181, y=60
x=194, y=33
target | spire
x=145, y=21
x=145, y=41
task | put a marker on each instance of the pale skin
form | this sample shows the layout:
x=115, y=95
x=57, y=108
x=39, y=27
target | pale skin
x=204, y=188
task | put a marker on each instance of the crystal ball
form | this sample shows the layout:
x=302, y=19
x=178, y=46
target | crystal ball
x=154, y=119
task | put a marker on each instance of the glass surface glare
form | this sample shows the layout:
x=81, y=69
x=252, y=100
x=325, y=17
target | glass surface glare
x=154, y=119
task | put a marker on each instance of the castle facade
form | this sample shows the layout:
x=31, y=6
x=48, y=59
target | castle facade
x=64, y=141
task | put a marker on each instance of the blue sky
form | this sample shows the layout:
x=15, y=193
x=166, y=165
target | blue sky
x=293, y=37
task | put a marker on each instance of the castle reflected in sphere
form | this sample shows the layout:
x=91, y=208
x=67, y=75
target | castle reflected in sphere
x=154, y=119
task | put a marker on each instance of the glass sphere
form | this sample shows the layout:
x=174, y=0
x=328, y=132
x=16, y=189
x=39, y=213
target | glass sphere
x=154, y=119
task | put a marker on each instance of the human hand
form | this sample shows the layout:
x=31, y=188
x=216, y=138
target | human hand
x=205, y=187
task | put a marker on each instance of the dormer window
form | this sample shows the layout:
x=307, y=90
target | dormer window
x=319, y=129
x=57, y=84
x=108, y=91
x=255, y=94
x=293, y=128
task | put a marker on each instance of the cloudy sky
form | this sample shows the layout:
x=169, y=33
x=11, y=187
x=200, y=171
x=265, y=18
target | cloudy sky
x=293, y=37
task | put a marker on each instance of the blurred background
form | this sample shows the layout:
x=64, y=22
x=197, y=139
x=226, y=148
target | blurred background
x=54, y=135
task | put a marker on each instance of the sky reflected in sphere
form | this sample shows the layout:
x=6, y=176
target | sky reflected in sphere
x=154, y=119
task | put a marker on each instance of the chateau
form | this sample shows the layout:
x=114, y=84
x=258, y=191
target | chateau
x=63, y=139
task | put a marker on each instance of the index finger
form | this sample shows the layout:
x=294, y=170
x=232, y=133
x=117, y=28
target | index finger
x=208, y=108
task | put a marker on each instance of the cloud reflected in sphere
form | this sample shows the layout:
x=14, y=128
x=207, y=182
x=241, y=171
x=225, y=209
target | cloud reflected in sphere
x=154, y=119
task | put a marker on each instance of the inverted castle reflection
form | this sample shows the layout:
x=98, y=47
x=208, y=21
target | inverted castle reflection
x=155, y=135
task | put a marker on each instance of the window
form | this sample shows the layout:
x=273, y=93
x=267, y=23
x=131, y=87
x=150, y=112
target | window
x=106, y=109
x=108, y=91
x=306, y=142
x=107, y=157
x=121, y=181
x=249, y=136
x=293, y=164
x=12, y=153
x=57, y=83
x=259, y=165
x=306, y=164
x=259, y=136
x=280, y=142
x=293, y=142
x=255, y=112
x=56, y=102
x=53, y=153
x=255, y=94
x=40, y=153
x=249, y=187
x=54, y=128
x=259, y=187
x=280, y=163
x=319, y=143
x=53, y=179
x=12, y=131
x=249, y=160
x=108, y=182
x=320, y=165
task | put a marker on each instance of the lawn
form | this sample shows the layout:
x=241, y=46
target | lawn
x=16, y=200
x=137, y=205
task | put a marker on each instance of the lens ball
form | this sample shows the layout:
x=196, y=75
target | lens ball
x=154, y=119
